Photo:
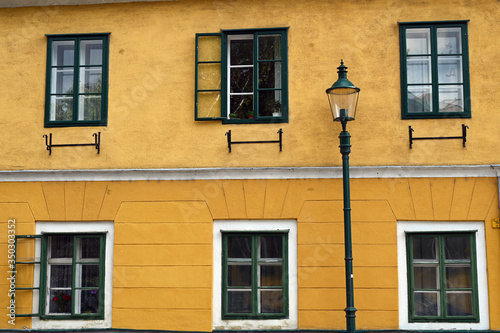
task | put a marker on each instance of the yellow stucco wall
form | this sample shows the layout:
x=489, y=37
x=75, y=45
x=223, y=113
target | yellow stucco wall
x=162, y=272
x=151, y=89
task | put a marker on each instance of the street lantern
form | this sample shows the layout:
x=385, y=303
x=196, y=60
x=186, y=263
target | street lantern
x=343, y=98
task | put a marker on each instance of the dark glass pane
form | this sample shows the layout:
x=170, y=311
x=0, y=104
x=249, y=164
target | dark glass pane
x=271, y=275
x=60, y=301
x=239, y=302
x=239, y=246
x=61, y=276
x=426, y=277
x=239, y=275
x=426, y=304
x=241, y=79
x=459, y=304
x=424, y=248
x=63, y=53
x=457, y=247
x=89, y=302
x=271, y=246
x=241, y=52
x=269, y=103
x=61, y=246
x=90, y=247
x=90, y=276
x=458, y=276
x=270, y=74
x=271, y=301
x=270, y=47
x=241, y=107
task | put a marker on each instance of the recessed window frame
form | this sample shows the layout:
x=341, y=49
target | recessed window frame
x=77, y=39
x=434, y=57
x=220, y=90
x=256, y=263
x=441, y=289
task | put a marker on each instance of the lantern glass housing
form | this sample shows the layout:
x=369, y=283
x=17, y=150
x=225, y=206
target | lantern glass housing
x=343, y=96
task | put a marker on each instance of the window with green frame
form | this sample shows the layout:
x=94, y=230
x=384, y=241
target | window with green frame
x=72, y=273
x=442, y=277
x=77, y=80
x=254, y=275
x=242, y=76
x=434, y=70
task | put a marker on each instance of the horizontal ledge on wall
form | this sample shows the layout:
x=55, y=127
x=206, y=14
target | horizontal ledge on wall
x=453, y=171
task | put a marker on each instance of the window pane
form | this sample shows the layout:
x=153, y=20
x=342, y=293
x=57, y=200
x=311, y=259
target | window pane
x=459, y=303
x=419, y=70
x=60, y=301
x=90, y=276
x=239, y=302
x=241, y=79
x=209, y=104
x=239, y=246
x=271, y=301
x=61, y=108
x=61, y=246
x=418, y=41
x=419, y=99
x=90, y=80
x=270, y=47
x=271, y=246
x=269, y=103
x=457, y=247
x=89, y=108
x=458, y=276
x=450, y=69
x=62, y=81
x=63, y=53
x=425, y=248
x=449, y=40
x=209, y=48
x=241, y=107
x=239, y=275
x=269, y=74
x=241, y=52
x=426, y=277
x=90, y=247
x=451, y=99
x=90, y=52
x=61, y=276
x=89, y=301
x=270, y=275
x=427, y=304
x=209, y=76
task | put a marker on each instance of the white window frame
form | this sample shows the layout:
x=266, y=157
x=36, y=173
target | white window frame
x=79, y=228
x=404, y=227
x=255, y=226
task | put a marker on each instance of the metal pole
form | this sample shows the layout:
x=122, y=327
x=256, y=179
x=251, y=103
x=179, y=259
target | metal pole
x=345, y=149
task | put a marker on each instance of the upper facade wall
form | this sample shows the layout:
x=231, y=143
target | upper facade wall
x=152, y=81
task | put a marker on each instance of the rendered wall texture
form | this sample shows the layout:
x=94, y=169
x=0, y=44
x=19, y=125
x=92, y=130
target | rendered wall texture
x=152, y=72
x=163, y=261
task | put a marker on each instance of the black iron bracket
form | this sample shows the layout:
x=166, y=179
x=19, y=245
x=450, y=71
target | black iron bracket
x=463, y=137
x=229, y=142
x=96, y=144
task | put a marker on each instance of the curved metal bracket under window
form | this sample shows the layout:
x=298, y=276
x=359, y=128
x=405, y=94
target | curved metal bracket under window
x=96, y=144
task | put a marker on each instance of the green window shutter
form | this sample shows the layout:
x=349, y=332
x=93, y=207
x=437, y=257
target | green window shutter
x=23, y=277
x=434, y=70
x=255, y=275
x=77, y=80
x=442, y=277
x=210, y=99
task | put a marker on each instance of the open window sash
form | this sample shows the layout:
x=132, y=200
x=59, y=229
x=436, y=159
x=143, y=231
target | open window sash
x=209, y=99
x=27, y=285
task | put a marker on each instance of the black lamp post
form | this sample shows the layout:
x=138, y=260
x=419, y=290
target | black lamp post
x=343, y=98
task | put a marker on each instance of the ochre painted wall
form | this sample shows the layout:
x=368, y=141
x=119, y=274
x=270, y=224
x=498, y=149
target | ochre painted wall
x=151, y=89
x=162, y=273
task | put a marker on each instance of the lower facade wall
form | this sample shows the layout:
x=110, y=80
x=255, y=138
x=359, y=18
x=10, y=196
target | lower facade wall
x=163, y=240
